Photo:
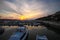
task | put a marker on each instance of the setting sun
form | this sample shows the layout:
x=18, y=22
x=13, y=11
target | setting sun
x=22, y=18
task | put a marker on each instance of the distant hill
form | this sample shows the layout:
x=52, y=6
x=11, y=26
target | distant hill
x=52, y=22
x=55, y=17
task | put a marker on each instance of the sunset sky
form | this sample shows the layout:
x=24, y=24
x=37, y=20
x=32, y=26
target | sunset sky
x=27, y=9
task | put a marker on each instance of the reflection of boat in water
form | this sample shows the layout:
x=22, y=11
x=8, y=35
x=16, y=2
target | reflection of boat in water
x=20, y=34
x=42, y=37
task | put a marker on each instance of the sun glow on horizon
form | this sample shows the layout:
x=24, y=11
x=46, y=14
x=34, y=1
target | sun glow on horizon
x=28, y=16
x=22, y=17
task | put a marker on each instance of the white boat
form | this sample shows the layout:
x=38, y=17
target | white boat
x=20, y=34
x=41, y=37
